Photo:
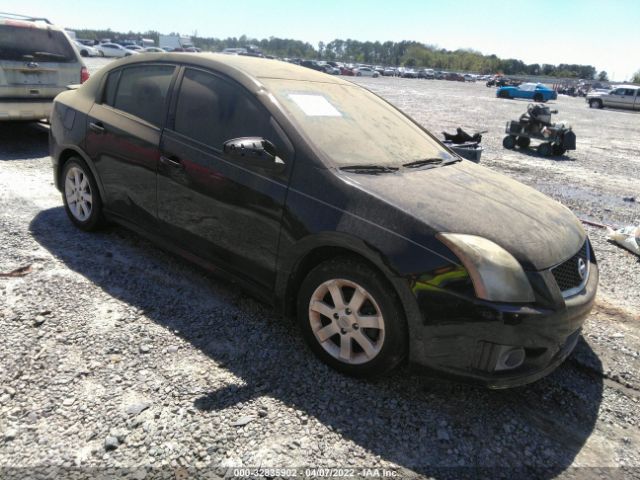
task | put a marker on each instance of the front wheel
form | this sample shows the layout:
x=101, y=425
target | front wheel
x=558, y=150
x=351, y=319
x=524, y=142
x=545, y=149
x=81, y=198
x=595, y=103
x=504, y=94
x=509, y=142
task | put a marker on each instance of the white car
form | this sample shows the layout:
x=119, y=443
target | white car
x=114, y=50
x=86, y=50
x=365, y=72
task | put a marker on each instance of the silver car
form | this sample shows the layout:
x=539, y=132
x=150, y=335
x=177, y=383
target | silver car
x=37, y=62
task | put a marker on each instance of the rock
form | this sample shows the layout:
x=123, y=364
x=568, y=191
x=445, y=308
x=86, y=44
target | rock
x=173, y=349
x=262, y=413
x=9, y=434
x=111, y=443
x=242, y=421
x=39, y=320
x=629, y=199
x=137, y=408
x=443, y=435
x=67, y=402
x=145, y=348
x=119, y=433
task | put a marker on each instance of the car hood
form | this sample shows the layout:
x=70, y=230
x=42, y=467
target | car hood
x=466, y=198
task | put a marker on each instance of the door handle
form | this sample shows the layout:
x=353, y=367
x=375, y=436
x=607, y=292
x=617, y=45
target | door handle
x=171, y=161
x=97, y=127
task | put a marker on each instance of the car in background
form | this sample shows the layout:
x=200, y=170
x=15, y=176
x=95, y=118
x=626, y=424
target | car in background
x=331, y=70
x=114, y=50
x=454, y=77
x=154, y=50
x=346, y=70
x=380, y=242
x=37, y=61
x=469, y=77
x=313, y=65
x=379, y=69
x=133, y=46
x=389, y=72
x=622, y=96
x=529, y=91
x=86, y=50
x=365, y=72
x=427, y=73
x=409, y=73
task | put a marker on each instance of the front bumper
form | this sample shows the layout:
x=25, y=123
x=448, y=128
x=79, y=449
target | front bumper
x=465, y=338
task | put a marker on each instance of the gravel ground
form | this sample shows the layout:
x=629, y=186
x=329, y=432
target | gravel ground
x=123, y=360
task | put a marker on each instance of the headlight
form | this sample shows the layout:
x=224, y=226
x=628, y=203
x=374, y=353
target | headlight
x=495, y=274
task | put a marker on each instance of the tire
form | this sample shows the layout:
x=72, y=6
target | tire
x=557, y=150
x=347, y=346
x=101, y=53
x=538, y=98
x=595, y=103
x=80, y=195
x=359, y=74
x=509, y=142
x=504, y=94
x=523, y=142
x=84, y=53
x=545, y=149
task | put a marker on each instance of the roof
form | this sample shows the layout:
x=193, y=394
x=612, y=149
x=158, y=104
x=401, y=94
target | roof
x=249, y=66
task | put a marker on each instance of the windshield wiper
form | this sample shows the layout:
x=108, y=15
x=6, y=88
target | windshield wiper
x=434, y=162
x=369, y=169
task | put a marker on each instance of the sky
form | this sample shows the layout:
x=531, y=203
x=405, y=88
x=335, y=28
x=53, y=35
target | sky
x=605, y=34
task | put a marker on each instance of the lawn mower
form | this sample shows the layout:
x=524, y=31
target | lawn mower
x=536, y=124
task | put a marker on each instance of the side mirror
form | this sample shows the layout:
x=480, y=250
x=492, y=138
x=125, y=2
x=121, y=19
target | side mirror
x=253, y=152
x=553, y=111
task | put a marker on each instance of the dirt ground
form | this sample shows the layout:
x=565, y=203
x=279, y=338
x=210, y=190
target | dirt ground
x=120, y=359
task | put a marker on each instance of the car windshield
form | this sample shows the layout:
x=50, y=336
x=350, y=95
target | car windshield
x=34, y=44
x=353, y=127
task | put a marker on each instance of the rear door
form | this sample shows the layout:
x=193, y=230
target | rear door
x=35, y=62
x=226, y=213
x=123, y=136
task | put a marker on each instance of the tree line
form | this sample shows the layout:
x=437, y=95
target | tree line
x=405, y=53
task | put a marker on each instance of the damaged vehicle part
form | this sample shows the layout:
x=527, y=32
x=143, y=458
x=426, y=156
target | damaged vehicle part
x=324, y=200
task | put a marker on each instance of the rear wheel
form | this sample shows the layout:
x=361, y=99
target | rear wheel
x=545, y=149
x=81, y=198
x=84, y=53
x=523, y=142
x=558, y=150
x=509, y=142
x=503, y=94
x=350, y=319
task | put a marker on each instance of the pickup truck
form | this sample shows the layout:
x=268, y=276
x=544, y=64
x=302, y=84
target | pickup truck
x=622, y=96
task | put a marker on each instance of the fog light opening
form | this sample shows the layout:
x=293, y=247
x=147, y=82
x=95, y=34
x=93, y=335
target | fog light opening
x=510, y=359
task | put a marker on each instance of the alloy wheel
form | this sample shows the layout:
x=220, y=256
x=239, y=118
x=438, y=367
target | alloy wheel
x=77, y=191
x=346, y=321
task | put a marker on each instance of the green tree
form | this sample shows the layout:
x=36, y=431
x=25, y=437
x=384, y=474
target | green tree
x=636, y=77
x=603, y=77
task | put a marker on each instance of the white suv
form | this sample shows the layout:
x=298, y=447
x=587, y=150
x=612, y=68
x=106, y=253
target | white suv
x=37, y=61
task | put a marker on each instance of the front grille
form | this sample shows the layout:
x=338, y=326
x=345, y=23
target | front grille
x=567, y=274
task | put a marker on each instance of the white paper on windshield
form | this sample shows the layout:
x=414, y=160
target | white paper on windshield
x=315, y=105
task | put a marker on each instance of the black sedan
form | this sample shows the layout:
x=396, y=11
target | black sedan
x=326, y=201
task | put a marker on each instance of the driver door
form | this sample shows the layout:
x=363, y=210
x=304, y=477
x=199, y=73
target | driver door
x=226, y=213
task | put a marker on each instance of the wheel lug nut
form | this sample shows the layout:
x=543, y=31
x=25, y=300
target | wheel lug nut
x=356, y=326
x=336, y=316
x=348, y=311
x=343, y=331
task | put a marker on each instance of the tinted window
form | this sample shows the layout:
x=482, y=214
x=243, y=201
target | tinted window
x=142, y=91
x=39, y=44
x=110, y=88
x=223, y=111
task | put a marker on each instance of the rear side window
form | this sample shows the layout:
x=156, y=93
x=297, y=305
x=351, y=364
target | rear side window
x=34, y=44
x=222, y=109
x=110, y=89
x=142, y=91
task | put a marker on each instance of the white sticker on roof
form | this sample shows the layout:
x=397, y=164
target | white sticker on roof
x=315, y=105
